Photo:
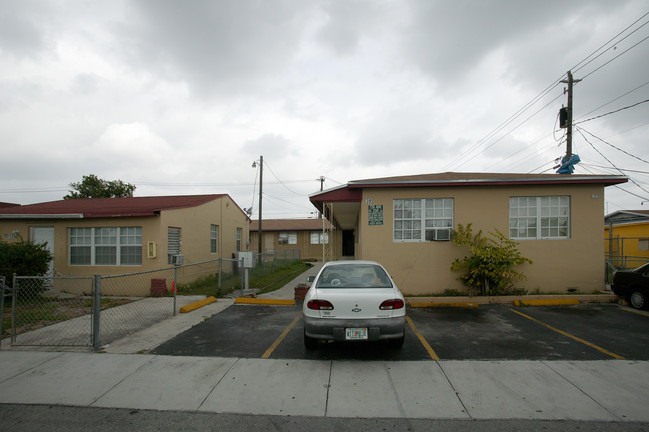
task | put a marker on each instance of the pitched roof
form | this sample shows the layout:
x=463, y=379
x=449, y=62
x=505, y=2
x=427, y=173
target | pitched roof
x=627, y=216
x=487, y=179
x=288, y=225
x=106, y=207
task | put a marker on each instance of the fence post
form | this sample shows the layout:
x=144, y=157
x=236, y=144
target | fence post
x=2, y=305
x=96, y=341
x=14, y=298
x=175, y=288
x=241, y=275
x=218, y=288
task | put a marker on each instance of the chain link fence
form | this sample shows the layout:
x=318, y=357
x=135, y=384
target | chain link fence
x=41, y=316
x=95, y=311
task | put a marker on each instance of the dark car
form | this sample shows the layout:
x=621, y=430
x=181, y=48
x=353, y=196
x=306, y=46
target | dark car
x=633, y=285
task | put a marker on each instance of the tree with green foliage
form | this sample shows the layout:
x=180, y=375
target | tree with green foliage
x=489, y=268
x=24, y=258
x=92, y=186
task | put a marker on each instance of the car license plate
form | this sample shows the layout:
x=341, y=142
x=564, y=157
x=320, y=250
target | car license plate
x=355, y=333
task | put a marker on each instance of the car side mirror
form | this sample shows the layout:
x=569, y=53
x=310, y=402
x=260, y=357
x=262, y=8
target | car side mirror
x=310, y=278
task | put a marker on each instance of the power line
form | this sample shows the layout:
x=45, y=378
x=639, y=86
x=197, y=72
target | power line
x=617, y=98
x=576, y=68
x=281, y=182
x=584, y=62
x=612, y=112
x=616, y=148
x=609, y=161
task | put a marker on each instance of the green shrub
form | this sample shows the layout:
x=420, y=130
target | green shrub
x=23, y=258
x=489, y=268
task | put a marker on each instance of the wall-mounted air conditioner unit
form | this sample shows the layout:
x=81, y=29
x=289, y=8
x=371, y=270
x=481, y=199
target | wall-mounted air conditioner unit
x=178, y=259
x=439, y=234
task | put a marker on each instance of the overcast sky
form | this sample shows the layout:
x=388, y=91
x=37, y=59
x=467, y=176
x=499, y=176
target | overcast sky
x=180, y=97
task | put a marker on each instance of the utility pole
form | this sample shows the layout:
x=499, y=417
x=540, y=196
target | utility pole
x=321, y=180
x=570, y=81
x=261, y=183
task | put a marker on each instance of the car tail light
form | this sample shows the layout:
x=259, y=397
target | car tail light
x=392, y=304
x=319, y=305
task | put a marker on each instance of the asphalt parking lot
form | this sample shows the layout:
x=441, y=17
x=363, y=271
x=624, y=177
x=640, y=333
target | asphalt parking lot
x=488, y=332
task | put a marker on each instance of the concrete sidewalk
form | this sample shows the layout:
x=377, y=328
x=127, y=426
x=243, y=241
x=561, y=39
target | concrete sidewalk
x=559, y=390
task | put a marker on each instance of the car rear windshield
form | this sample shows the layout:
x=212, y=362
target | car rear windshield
x=354, y=276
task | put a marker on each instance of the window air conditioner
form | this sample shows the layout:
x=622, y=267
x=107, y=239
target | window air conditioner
x=439, y=234
x=178, y=259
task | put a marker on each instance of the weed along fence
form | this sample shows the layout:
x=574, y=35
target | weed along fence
x=95, y=311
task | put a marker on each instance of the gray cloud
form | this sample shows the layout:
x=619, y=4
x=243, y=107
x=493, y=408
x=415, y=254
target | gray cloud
x=21, y=30
x=215, y=46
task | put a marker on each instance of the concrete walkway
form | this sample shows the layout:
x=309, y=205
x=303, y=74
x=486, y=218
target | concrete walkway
x=559, y=390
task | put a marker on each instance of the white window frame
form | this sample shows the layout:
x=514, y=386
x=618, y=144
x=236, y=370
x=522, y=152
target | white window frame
x=317, y=236
x=287, y=238
x=238, y=239
x=540, y=217
x=110, y=242
x=214, y=239
x=422, y=219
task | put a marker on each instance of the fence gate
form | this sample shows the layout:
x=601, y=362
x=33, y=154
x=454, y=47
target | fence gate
x=52, y=311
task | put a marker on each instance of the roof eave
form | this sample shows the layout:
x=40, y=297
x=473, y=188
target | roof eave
x=42, y=216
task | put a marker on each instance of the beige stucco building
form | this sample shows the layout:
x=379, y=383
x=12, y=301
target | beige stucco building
x=111, y=236
x=308, y=238
x=404, y=223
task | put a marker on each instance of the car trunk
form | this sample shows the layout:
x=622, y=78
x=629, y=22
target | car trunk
x=356, y=303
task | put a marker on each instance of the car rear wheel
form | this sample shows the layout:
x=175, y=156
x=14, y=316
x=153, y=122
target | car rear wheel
x=309, y=342
x=638, y=299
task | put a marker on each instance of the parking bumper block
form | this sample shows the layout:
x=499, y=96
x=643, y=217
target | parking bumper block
x=193, y=306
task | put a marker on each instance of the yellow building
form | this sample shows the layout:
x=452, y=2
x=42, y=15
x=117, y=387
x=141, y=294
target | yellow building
x=626, y=238
x=304, y=239
x=404, y=223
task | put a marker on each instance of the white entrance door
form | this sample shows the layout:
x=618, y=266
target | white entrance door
x=39, y=235
x=269, y=242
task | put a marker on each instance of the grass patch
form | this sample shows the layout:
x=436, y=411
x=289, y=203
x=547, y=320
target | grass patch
x=263, y=279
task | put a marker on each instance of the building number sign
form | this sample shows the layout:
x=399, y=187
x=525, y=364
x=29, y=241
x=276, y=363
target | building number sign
x=375, y=214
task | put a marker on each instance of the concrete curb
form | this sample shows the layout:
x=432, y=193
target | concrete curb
x=442, y=304
x=193, y=306
x=264, y=301
x=533, y=300
x=549, y=302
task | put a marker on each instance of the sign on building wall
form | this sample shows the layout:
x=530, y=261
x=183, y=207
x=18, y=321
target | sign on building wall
x=375, y=214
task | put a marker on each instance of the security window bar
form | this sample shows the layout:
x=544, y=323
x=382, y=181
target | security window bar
x=105, y=246
x=426, y=219
x=539, y=217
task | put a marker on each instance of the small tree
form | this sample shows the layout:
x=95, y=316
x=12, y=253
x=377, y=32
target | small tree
x=92, y=186
x=23, y=258
x=489, y=268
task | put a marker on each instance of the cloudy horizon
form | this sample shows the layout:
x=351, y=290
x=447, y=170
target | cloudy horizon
x=180, y=98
